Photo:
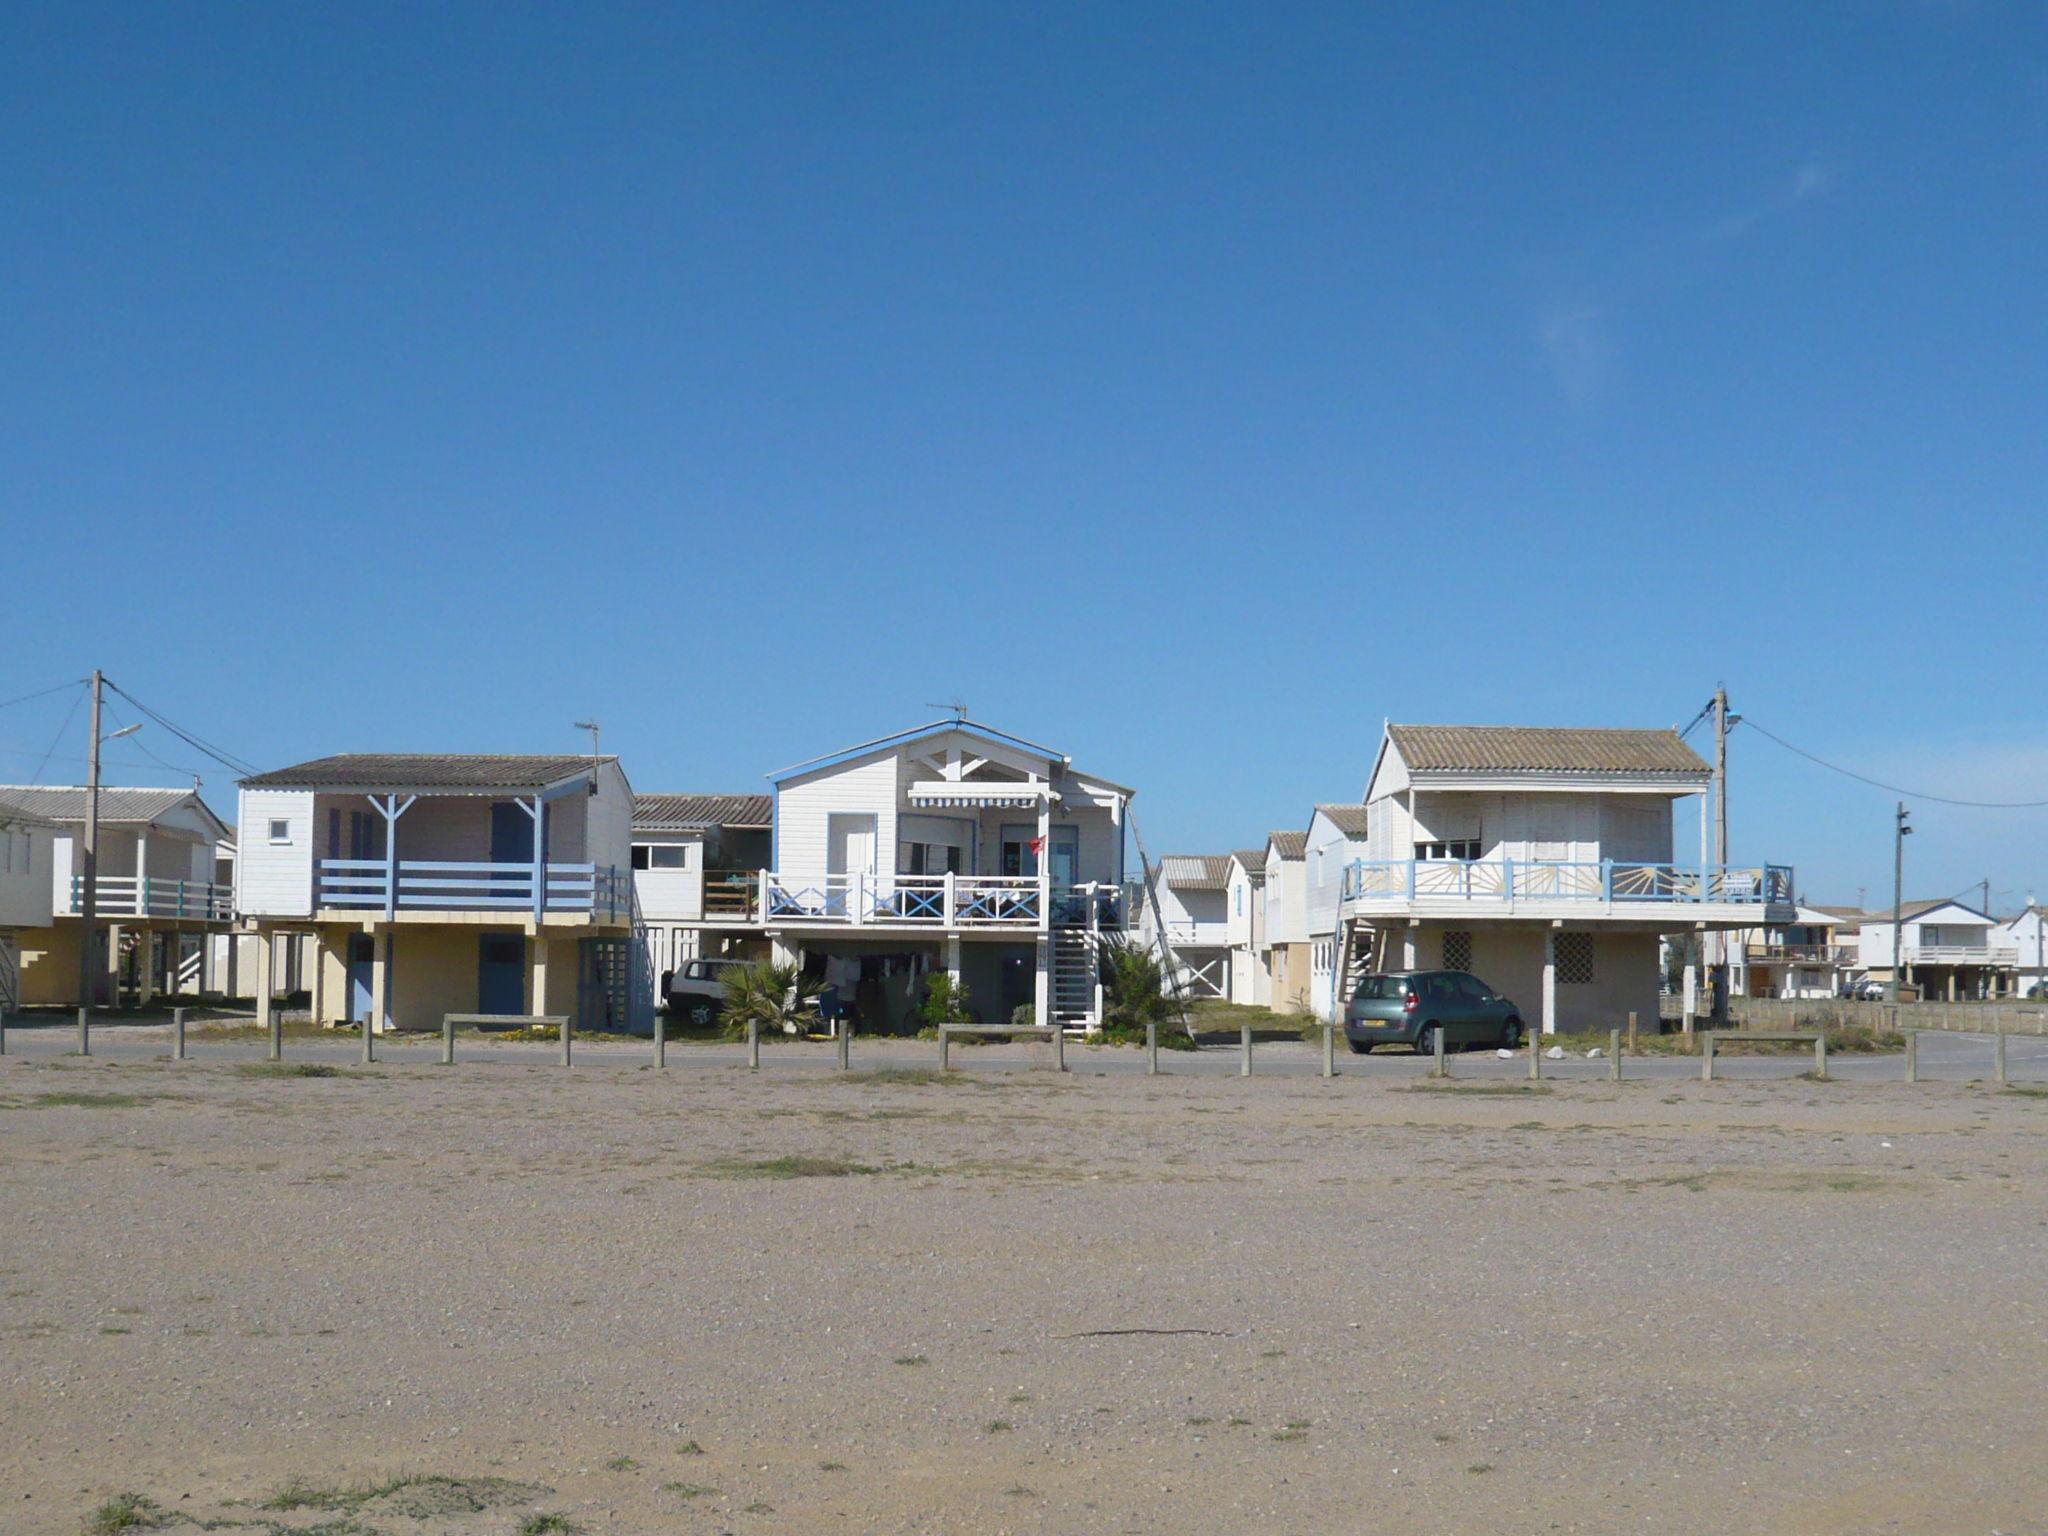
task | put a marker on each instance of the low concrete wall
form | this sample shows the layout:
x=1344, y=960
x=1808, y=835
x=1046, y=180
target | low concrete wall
x=1794, y=1013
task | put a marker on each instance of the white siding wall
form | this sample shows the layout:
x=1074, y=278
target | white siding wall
x=1286, y=900
x=672, y=893
x=274, y=880
x=605, y=829
x=1523, y=826
x=1329, y=850
x=804, y=806
x=26, y=891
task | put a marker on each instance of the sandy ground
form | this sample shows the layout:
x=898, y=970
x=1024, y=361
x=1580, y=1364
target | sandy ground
x=507, y=1291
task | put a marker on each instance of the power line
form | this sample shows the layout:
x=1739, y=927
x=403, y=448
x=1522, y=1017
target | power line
x=69, y=715
x=220, y=755
x=42, y=693
x=145, y=749
x=1911, y=794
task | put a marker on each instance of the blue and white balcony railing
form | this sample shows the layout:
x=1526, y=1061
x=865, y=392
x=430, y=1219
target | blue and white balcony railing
x=420, y=885
x=153, y=896
x=1606, y=880
x=937, y=901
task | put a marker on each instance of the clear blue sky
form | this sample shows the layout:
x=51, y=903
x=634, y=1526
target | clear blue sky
x=1187, y=387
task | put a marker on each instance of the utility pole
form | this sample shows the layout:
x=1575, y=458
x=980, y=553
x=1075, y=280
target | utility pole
x=1901, y=831
x=88, y=868
x=1720, y=972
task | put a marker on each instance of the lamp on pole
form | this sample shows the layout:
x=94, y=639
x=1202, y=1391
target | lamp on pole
x=89, y=848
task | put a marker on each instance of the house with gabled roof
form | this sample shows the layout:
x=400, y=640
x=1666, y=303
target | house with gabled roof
x=1334, y=840
x=437, y=883
x=26, y=898
x=1942, y=949
x=1188, y=917
x=156, y=900
x=1542, y=860
x=951, y=846
x=1245, y=927
x=696, y=864
x=1286, y=911
x=2026, y=935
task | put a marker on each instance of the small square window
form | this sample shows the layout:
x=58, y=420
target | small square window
x=668, y=855
x=280, y=830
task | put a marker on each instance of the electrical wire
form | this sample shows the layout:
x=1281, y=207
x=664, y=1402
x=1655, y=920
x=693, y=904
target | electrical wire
x=220, y=755
x=69, y=715
x=41, y=693
x=144, y=748
x=1894, y=789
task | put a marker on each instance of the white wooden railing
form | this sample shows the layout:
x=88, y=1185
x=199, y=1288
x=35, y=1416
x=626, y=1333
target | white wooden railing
x=934, y=901
x=420, y=885
x=153, y=896
x=1605, y=880
x=1950, y=954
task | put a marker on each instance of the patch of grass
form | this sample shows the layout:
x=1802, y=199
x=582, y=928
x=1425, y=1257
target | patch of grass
x=831, y=1466
x=87, y=1100
x=996, y=1427
x=1289, y=1434
x=912, y=1360
x=622, y=1464
x=1480, y=1468
x=1236, y=1422
x=2026, y=1092
x=689, y=1490
x=1020, y=1397
x=1297, y=1424
x=785, y=1167
x=547, y=1524
x=291, y=1069
x=109, y=1329
x=689, y=1448
x=1472, y=1089
x=1018, y=1491
x=1199, y=1420
x=417, y=1496
x=758, y=1507
x=124, y=1512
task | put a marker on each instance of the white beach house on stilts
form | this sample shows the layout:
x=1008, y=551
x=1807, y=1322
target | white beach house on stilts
x=1542, y=860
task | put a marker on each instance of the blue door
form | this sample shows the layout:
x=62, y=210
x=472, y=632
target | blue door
x=362, y=954
x=501, y=972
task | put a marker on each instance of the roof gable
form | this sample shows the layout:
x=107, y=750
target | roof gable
x=119, y=805
x=1351, y=820
x=1002, y=741
x=1920, y=911
x=1529, y=749
x=676, y=812
x=1195, y=871
x=1289, y=844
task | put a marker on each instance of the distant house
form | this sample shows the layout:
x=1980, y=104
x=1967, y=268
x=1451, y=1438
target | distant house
x=156, y=899
x=26, y=899
x=1335, y=841
x=436, y=883
x=1541, y=860
x=697, y=860
x=1245, y=927
x=2026, y=936
x=1287, y=945
x=1943, y=948
x=1193, y=920
x=1813, y=956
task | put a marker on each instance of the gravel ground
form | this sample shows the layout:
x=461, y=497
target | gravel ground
x=419, y=1300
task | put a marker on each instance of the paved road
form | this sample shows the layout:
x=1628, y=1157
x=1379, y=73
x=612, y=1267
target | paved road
x=1943, y=1057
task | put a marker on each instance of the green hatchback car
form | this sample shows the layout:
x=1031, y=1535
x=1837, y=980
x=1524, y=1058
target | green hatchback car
x=1410, y=1007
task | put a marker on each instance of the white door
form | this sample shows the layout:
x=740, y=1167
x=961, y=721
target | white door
x=851, y=840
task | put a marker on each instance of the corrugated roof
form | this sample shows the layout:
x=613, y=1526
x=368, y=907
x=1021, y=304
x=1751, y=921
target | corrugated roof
x=1195, y=871
x=66, y=802
x=1254, y=862
x=1289, y=845
x=703, y=810
x=1543, y=749
x=1348, y=819
x=1913, y=909
x=426, y=770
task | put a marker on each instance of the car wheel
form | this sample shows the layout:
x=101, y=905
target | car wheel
x=1425, y=1040
x=1359, y=1047
x=703, y=1013
x=1511, y=1035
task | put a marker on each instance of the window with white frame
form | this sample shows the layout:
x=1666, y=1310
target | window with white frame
x=1466, y=848
x=280, y=830
x=660, y=856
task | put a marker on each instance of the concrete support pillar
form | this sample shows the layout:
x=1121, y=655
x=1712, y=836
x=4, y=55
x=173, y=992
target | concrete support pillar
x=145, y=968
x=1692, y=989
x=953, y=959
x=1951, y=986
x=1041, y=988
x=319, y=985
x=1411, y=948
x=380, y=977
x=537, y=980
x=264, y=1006
x=1550, y=981
x=783, y=950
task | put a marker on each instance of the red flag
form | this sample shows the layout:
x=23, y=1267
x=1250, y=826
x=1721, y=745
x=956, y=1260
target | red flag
x=1036, y=845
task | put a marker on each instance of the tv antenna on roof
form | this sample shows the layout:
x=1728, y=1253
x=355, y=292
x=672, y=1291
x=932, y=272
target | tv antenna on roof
x=958, y=707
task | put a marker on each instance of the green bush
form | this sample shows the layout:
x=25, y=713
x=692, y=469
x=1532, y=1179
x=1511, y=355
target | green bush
x=778, y=998
x=1134, y=995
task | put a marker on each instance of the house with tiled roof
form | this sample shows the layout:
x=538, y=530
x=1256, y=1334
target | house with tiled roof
x=1189, y=918
x=1541, y=859
x=434, y=883
x=1940, y=948
x=156, y=899
x=1286, y=920
x=1245, y=927
x=1333, y=841
x=697, y=859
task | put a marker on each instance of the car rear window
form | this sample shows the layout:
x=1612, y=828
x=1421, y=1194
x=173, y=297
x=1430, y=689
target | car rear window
x=1375, y=989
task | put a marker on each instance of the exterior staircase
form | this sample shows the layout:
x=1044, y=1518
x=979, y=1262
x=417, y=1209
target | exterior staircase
x=1076, y=970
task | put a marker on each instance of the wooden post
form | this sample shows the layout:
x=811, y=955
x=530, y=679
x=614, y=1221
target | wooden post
x=369, y=1040
x=753, y=1045
x=276, y=1034
x=1688, y=1022
x=1535, y=1058
x=844, y=1033
x=1442, y=1067
x=1820, y=1055
x=568, y=1038
x=3, y=1031
x=177, y=1034
x=447, y=1039
x=1329, y=1050
x=1244, y=1038
x=1912, y=1055
x=84, y=1034
x=1059, y=1049
x=1998, y=1058
x=660, y=1038
x=1151, y=1047
x=1707, y=1057
x=945, y=1042
x=1614, y=1055
x=1632, y=1032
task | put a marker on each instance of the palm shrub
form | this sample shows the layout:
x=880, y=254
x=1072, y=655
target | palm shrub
x=777, y=998
x=1134, y=995
x=944, y=1001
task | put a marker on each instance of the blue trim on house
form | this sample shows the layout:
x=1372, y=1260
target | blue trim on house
x=918, y=733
